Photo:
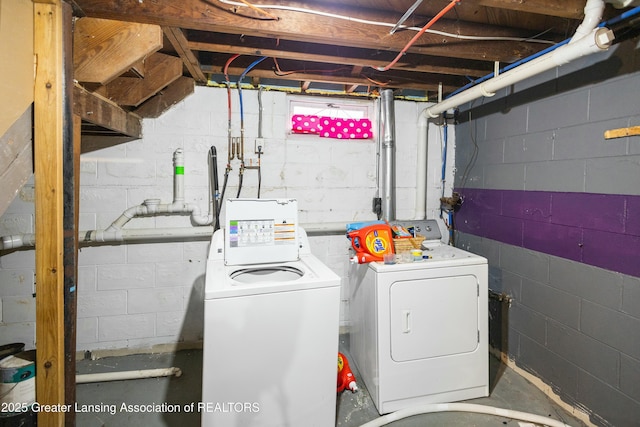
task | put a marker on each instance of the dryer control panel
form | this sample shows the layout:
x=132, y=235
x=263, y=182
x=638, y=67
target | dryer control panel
x=425, y=227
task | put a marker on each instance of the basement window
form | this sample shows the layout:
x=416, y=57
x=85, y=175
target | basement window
x=333, y=119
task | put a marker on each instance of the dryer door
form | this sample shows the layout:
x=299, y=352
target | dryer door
x=434, y=317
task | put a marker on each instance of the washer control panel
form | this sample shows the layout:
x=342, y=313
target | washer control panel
x=261, y=231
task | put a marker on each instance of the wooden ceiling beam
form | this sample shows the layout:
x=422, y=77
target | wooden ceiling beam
x=166, y=98
x=352, y=88
x=100, y=111
x=573, y=9
x=214, y=16
x=355, y=57
x=177, y=38
x=161, y=70
x=317, y=77
x=104, y=49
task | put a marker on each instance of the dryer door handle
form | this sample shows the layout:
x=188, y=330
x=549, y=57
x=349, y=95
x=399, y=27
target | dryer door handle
x=406, y=321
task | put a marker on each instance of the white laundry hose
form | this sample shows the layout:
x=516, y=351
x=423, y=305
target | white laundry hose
x=127, y=375
x=463, y=407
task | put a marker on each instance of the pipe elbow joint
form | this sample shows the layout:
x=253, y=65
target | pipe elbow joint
x=430, y=114
x=202, y=220
x=11, y=242
x=485, y=92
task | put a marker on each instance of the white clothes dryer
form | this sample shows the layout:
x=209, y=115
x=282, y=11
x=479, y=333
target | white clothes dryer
x=271, y=322
x=419, y=331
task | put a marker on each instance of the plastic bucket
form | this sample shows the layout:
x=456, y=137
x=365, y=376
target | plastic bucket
x=11, y=349
x=18, y=389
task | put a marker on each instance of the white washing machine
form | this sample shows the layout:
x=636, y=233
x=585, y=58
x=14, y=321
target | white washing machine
x=271, y=316
x=419, y=331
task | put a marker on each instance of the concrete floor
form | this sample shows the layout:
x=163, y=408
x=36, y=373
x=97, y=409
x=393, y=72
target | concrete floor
x=508, y=390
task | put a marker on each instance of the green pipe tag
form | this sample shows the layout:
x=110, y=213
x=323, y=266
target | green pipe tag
x=179, y=170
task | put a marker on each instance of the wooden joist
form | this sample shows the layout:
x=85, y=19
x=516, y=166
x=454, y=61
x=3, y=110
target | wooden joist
x=181, y=45
x=166, y=98
x=104, y=49
x=160, y=71
x=100, y=111
x=292, y=25
x=287, y=49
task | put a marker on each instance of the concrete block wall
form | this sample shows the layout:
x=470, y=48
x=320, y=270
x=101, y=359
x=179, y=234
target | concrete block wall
x=552, y=205
x=145, y=294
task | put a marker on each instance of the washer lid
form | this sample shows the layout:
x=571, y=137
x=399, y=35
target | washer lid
x=267, y=274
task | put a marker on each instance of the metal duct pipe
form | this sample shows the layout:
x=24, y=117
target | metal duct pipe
x=388, y=155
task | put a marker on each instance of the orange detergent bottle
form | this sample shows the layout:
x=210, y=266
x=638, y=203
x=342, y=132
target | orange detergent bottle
x=372, y=242
x=346, y=380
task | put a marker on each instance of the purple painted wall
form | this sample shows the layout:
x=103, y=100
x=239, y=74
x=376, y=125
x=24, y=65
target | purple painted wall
x=597, y=229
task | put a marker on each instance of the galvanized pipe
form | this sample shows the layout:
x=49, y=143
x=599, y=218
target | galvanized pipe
x=388, y=155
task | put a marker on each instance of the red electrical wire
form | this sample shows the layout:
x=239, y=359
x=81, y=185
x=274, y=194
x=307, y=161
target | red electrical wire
x=374, y=81
x=421, y=32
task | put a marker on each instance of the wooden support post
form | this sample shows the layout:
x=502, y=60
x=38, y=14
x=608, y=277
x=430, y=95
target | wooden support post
x=71, y=182
x=52, y=120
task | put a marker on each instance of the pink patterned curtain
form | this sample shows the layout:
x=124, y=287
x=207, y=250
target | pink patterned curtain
x=330, y=127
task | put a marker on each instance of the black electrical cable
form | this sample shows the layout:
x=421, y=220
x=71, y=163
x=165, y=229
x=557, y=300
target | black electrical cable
x=213, y=175
x=240, y=178
x=259, y=172
x=224, y=188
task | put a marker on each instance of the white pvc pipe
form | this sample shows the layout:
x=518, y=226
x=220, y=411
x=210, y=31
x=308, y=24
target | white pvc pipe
x=587, y=39
x=151, y=207
x=421, y=167
x=463, y=407
x=154, y=234
x=178, y=176
x=144, y=234
x=128, y=375
x=592, y=15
